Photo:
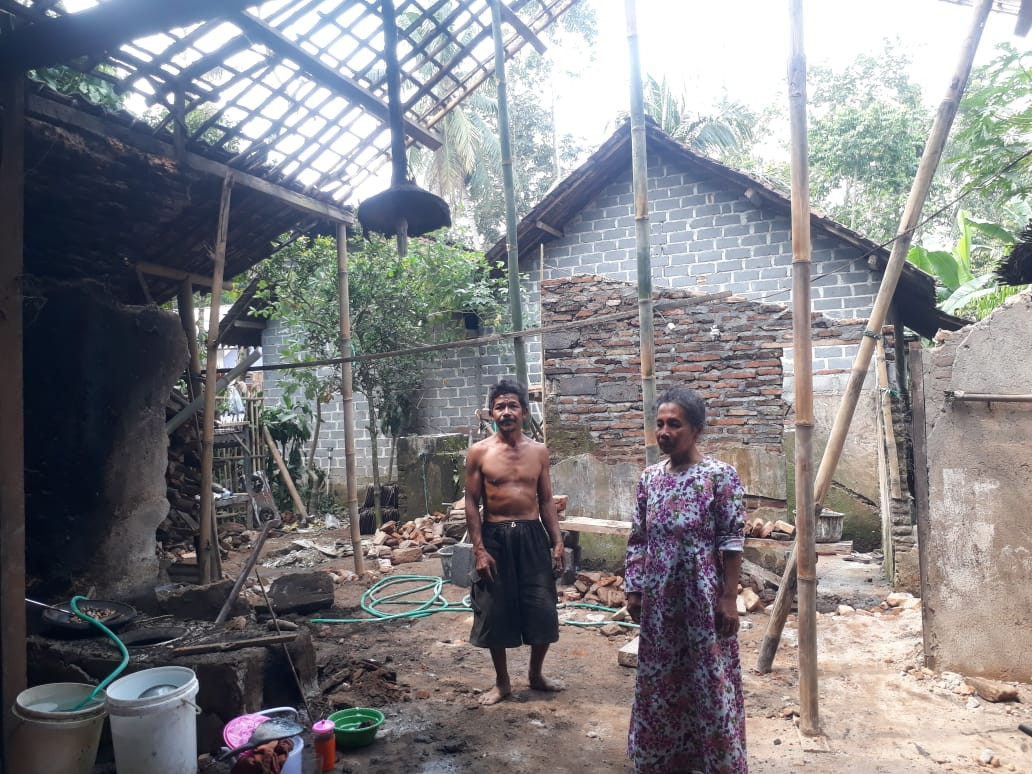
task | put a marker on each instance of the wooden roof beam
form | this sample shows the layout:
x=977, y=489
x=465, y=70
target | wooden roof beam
x=77, y=118
x=326, y=76
x=101, y=28
x=528, y=34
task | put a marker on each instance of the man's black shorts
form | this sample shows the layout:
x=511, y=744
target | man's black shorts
x=519, y=607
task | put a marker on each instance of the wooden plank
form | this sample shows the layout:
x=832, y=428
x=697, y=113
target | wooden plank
x=12, y=414
x=224, y=645
x=69, y=116
x=157, y=270
x=102, y=28
x=596, y=526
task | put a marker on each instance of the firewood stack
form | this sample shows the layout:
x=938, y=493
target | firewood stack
x=408, y=542
x=773, y=530
x=183, y=474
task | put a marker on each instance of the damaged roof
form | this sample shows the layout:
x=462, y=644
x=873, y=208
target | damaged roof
x=288, y=96
x=915, y=293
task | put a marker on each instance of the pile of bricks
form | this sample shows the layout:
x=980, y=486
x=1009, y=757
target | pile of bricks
x=597, y=588
x=408, y=542
x=775, y=530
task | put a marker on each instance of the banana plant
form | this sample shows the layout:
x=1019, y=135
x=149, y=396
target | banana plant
x=958, y=287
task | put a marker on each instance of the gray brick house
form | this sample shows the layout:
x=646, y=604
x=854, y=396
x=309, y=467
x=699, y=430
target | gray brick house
x=712, y=229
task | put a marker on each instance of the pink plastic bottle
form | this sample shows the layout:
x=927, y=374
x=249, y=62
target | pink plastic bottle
x=325, y=744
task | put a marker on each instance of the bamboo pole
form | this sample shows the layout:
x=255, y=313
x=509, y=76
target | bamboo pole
x=13, y=662
x=569, y=325
x=206, y=562
x=911, y=216
x=802, y=372
x=508, y=186
x=285, y=473
x=640, y=183
x=347, y=396
x=395, y=112
x=189, y=322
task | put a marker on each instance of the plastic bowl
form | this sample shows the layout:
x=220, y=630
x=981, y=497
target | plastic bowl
x=357, y=726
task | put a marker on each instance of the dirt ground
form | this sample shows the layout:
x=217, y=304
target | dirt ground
x=879, y=712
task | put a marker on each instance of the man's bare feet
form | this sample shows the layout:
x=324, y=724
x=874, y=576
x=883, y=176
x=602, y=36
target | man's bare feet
x=495, y=695
x=542, y=683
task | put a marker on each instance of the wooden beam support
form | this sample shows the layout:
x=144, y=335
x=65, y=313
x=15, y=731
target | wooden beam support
x=326, y=76
x=69, y=116
x=526, y=32
x=550, y=229
x=208, y=544
x=102, y=28
x=12, y=413
x=156, y=270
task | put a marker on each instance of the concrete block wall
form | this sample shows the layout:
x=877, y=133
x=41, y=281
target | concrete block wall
x=705, y=234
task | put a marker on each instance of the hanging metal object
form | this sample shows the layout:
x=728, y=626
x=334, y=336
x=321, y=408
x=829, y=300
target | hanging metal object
x=404, y=209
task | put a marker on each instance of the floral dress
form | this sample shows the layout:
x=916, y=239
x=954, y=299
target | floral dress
x=689, y=712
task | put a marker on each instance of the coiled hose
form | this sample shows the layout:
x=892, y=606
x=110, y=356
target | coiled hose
x=436, y=603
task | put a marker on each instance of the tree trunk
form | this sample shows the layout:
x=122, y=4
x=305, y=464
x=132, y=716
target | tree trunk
x=313, y=478
x=374, y=450
x=391, y=457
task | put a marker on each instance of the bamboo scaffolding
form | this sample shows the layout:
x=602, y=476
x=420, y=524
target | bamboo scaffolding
x=677, y=303
x=640, y=183
x=802, y=372
x=207, y=550
x=347, y=397
x=911, y=216
x=511, y=242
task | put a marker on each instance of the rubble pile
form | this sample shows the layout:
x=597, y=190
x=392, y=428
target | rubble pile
x=773, y=530
x=399, y=543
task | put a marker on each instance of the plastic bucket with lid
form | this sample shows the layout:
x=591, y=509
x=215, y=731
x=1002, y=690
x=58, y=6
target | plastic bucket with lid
x=153, y=721
x=46, y=741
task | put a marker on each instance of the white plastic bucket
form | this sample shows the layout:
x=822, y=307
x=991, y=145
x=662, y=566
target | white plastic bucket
x=45, y=741
x=157, y=733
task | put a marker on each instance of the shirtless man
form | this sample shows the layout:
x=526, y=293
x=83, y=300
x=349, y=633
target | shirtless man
x=517, y=546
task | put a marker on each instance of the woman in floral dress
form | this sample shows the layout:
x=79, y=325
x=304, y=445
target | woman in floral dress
x=684, y=555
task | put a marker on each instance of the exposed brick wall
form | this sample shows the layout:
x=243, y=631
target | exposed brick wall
x=729, y=350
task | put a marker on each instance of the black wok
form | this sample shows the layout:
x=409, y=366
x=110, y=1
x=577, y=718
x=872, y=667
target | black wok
x=114, y=615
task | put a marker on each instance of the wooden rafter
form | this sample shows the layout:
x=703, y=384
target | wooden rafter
x=330, y=78
x=100, y=28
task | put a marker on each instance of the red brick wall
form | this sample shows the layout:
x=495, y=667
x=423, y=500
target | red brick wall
x=729, y=350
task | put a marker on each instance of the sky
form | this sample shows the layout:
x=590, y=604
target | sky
x=742, y=46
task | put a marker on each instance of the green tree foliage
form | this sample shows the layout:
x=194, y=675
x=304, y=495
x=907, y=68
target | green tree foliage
x=989, y=149
x=721, y=132
x=396, y=303
x=92, y=88
x=466, y=171
x=867, y=128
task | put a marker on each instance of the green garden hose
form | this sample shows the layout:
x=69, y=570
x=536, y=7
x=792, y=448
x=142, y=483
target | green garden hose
x=434, y=604
x=371, y=601
x=121, y=646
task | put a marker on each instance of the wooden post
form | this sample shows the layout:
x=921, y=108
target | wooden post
x=206, y=562
x=509, y=189
x=911, y=216
x=285, y=473
x=802, y=371
x=919, y=435
x=640, y=183
x=13, y=663
x=188, y=319
x=347, y=396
